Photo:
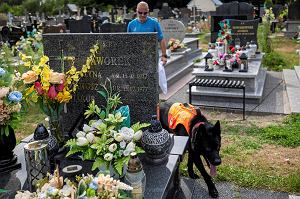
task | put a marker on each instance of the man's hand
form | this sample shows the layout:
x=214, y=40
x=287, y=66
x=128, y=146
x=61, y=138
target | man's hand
x=164, y=60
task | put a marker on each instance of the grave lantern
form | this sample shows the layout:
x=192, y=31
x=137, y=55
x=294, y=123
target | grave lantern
x=135, y=177
x=228, y=66
x=37, y=162
x=244, y=63
x=253, y=48
x=208, y=62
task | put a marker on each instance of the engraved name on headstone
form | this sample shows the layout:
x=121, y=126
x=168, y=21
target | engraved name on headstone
x=173, y=29
x=245, y=30
x=128, y=60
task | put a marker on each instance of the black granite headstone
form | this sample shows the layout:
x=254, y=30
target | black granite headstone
x=294, y=11
x=165, y=12
x=80, y=26
x=128, y=60
x=245, y=30
x=233, y=10
x=110, y=27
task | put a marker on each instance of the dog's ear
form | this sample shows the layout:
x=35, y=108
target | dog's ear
x=201, y=131
x=217, y=127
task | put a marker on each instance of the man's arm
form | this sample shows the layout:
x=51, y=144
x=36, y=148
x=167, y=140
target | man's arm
x=163, y=51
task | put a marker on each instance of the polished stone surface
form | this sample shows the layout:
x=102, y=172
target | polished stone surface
x=129, y=60
x=292, y=86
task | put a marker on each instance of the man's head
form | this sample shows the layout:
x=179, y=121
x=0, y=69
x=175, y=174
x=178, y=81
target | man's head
x=142, y=11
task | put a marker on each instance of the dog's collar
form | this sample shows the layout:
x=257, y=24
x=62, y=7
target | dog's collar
x=193, y=137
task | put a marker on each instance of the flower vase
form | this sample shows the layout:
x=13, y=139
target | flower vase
x=8, y=160
x=56, y=129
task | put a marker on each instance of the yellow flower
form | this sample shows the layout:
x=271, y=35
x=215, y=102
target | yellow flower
x=28, y=91
x=69, y=80
x=75, y=77
x=28, y=64
x=44, y=59
x=72, y=71
x=45, y=76
x=36, y=69
x=29, y=77
x=84, y=69
x=64, y=96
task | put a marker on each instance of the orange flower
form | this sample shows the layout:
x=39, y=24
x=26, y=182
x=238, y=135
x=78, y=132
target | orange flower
x=29, y=77
x=56, y=78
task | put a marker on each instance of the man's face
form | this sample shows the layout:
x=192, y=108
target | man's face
x=142, y=12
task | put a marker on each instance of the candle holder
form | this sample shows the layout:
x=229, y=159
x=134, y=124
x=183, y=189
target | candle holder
x=37, y=162
x=244, y=63
x=208, y=62
x=228, y=65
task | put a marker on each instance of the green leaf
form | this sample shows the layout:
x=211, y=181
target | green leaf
x=103, y=94
x=89, y=154
x=139, y=150
x=6, y=130
x=102, y=115
x=3, y=190
x=118, y=164
x=137, y=126
x=98, y=163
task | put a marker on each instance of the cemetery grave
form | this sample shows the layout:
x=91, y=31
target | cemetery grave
x=98, y=64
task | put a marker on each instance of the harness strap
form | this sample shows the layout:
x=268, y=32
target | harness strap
x=193, y=137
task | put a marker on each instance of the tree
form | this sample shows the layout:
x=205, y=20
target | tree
x=5, y=8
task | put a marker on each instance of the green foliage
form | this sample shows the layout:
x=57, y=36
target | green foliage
x=4, y=8
x=138, y=126
x=274, y=61
x=263, y=37
x=17, y=10
x=268, y=4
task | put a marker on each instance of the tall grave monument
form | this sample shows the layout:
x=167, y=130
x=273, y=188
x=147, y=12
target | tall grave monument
x=293, y=22
x=128, y=60
x=233, y=10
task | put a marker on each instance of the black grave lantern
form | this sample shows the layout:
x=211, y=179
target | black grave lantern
x=208, y=62
x=244, y=63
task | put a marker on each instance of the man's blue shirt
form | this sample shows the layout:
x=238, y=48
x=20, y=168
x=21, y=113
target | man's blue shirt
x=150, y=25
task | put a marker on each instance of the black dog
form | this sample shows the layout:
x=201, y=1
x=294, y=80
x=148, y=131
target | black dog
x=204, y=139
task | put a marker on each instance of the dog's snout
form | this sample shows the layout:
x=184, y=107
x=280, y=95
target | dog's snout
x=217, y=161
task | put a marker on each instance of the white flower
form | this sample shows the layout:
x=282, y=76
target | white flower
x=80, y=134
x=108, y=156
x=82, y=141
x=118, y=137
x=90, y=137
x=138, y=135
x=126, y=153
x=127, y=133
x=66, y=190
x=112, y=147
x=130, y=147
x=123, y=144
x=87, y=128
x=96, y=123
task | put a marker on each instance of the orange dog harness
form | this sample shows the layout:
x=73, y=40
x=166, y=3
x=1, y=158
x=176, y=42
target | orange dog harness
x=181, y=114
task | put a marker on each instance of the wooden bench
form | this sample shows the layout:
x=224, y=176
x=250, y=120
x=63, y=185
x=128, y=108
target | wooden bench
x=218, y=84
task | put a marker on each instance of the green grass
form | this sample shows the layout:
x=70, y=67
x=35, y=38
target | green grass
x=243, y=141
x=29, y=122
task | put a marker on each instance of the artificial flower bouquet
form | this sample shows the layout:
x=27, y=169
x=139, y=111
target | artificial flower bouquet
x=10, y=97
x=110, y=140
x=175, y=44
x=50, y=89
x=89, y=187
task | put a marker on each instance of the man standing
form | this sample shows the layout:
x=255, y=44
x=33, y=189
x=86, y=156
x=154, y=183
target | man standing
x=144, y=23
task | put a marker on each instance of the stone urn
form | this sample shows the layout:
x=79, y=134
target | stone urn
x=156, y=142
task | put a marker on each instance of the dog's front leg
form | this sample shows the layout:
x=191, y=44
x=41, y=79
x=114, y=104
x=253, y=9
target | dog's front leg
x=190, y=166
x=213, y=192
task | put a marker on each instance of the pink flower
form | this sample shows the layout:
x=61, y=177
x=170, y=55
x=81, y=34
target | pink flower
x=60, y=87
x=38, y=88
x=52, y=92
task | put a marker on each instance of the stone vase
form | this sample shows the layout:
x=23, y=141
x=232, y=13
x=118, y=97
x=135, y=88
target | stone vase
x=8, y=160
